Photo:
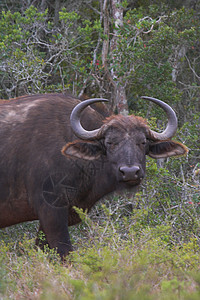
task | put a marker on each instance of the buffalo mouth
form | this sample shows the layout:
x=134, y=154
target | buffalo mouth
x=132, y=182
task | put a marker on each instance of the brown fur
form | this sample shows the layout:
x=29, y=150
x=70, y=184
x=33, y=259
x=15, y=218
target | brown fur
x=120, y=121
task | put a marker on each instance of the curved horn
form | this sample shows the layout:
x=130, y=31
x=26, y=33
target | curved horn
x=172, y=125
x=77, y=128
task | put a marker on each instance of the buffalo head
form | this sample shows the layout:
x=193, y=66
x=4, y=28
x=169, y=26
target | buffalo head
x=124, y=142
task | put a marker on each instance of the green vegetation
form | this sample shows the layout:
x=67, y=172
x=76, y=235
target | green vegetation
x=119, y=257
x=143, y=247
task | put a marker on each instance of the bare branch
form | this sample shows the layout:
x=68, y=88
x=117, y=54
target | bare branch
x=192, y=69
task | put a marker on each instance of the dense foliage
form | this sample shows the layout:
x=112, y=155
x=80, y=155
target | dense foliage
x=146, y=247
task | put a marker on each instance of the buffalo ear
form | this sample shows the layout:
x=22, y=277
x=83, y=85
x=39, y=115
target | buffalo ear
x=83, y=149
x=165, y=149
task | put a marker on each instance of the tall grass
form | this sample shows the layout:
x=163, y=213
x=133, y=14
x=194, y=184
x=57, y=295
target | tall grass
x=113, y=259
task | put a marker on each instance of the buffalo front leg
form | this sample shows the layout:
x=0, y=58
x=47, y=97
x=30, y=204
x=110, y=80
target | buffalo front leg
x=54, y=224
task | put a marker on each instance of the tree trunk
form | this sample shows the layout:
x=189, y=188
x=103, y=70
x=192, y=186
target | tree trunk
x=121, y=104
x=56, y=14
x=119, y=100
x=43, y=5
x=179, y=53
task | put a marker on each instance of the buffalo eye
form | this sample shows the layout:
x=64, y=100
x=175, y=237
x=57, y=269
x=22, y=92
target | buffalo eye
x=111, y=142
x=111, y=145
x=142, y=143
x=147, y=147
x=144, y=146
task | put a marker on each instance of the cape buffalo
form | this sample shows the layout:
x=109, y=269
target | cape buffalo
x=50, y=162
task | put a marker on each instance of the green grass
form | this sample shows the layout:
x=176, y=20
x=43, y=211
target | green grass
x=113, y=259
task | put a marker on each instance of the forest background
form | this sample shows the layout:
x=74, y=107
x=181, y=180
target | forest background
x=146, y=247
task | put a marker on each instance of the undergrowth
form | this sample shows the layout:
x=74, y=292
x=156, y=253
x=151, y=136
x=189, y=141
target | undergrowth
x=112, y=260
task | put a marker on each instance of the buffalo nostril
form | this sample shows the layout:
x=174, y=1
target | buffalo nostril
x=122, y=171
x=137, y=171
x=130, y=173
